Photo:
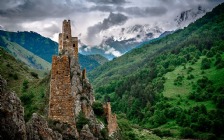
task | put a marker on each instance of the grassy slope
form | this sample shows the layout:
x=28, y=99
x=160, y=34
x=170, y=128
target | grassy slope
x=178, y=94
x=26, y=56
x=9, y=67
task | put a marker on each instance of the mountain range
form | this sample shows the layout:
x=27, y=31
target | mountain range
x=118, y=41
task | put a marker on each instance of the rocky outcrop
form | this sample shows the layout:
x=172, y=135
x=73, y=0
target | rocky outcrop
x=112, y=125
x=85, y=134
x=12, y=124
x=37, y=129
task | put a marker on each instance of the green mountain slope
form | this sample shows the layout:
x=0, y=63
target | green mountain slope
x=33, y=42
x=99, y=58
x=26, y=83
x=36, y=51
x=15, y=72
x=174, y=85
x=25, y=56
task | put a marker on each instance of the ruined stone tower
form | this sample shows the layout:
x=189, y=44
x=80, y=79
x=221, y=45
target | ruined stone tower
x=71, y=94
x=111, y=119
x=70, y=91
x=61, y=104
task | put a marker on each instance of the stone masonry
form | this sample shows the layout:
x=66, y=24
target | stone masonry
x=61, y=99
x=112, y=125
x=61, y=104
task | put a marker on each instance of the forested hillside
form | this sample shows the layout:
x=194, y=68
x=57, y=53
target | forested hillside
x=173, y=86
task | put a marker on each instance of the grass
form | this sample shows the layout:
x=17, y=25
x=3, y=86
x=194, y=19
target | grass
x=26, y=56
x=178, y=94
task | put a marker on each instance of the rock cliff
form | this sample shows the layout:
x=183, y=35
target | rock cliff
x=12, y=124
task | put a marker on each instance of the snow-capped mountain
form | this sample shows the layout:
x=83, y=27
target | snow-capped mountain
x=122, y=40
x=139, y=32
x=189, y=16
x=119, y=40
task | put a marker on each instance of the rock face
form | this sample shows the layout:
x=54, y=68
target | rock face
x=12, y=124
x=111, y=119
x=37, y=129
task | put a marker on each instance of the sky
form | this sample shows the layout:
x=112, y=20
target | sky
x=91, y=17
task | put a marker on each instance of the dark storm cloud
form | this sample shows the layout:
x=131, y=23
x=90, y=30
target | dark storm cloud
x=102, y=8
x=108, y=1
x=112, y=20
x=36, y=9
x=132, y=11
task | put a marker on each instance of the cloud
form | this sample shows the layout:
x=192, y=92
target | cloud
x=143, y=11
x=90, y=17
x=112, y=20
x=41, y=9
x=108, y=1
x=132, y=11
x=113, y=52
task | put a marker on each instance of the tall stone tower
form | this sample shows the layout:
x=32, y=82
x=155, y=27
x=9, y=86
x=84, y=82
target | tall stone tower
x=70, y=91
x=61, y=104
x=71, y=94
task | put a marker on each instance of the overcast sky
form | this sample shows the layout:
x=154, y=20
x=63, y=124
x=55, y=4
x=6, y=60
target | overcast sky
x=90, y=17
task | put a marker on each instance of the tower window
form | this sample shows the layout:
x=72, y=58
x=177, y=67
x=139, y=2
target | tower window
x=73, y=45
x=67, y=37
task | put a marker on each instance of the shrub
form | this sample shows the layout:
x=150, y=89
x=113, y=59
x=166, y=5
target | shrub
x=98, y=108
x=81, y=121
x=25, y=85
x=162, y=133
x=178, y=81
x=15, y=76
x=35, y=75
x=104, y=133
x=26, y=98
x=220, y=101
x=187, y=133
x=189, y=77
x=205, y=63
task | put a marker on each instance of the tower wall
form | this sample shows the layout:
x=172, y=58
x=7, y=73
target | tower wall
x=111, y=119
x=61, y=102
x=75, y=46
x=60, y=43
x=66, y=35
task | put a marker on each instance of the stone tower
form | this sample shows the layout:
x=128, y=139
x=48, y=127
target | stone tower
x=61, y=104
x=70, y=91
x=67, y=44
x=71, y=94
